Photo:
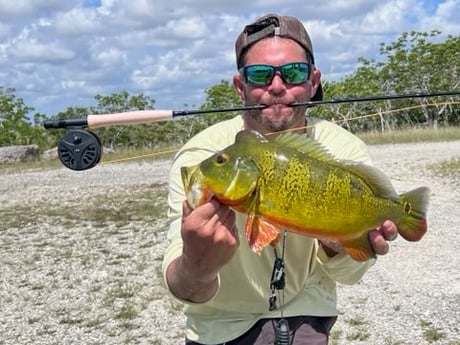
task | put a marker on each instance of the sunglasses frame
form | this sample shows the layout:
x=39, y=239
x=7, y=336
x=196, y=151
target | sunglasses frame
x=279, y=68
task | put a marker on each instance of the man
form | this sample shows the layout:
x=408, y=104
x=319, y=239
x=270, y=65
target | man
x=208, y=264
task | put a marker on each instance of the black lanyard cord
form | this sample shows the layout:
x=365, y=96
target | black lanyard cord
x=278, y=282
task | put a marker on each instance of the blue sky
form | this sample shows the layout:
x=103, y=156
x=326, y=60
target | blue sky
x=58, y=53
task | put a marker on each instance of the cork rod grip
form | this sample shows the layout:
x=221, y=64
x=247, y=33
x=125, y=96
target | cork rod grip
x=129, y=117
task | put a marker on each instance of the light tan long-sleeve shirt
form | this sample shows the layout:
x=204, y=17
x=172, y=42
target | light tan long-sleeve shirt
x=244, y=283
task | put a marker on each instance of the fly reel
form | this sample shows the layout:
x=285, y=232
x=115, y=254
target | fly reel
x=79, y=149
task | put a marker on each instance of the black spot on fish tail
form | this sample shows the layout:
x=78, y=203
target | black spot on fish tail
x=413, y=224
x=407, y=207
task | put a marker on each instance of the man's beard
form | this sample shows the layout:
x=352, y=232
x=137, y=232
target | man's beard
x=268, y=124
x=276, y=125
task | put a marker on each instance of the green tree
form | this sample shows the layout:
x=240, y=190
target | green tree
x=122, y=101
x=14, y=127
x=55, y=135
x=417, y=62
x=122, y=136
x=165, y=133
x=220, y=96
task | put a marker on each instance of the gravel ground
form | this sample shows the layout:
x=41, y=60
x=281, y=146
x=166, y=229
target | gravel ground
x=74, y=269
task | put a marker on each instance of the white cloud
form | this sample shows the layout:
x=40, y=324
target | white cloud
x=388, y=17
x=140, y=8
x=110, y=57
x=188, y=28
x=40, y=52
x=445, y=18
x=4, y=31
x=73, y=84
x=11, y=10
x=60, y=53
x=107, y=6
x=78, y=21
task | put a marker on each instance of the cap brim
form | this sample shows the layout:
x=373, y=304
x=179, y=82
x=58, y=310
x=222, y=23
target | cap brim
x=318, y=95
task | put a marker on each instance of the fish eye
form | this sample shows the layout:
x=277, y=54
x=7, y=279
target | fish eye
x=222, y=158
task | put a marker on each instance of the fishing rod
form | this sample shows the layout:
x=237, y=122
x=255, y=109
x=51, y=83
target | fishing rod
x=146, y=116
x=81, y=149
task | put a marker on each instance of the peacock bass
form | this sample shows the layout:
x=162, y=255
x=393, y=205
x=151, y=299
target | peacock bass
x=293, y=183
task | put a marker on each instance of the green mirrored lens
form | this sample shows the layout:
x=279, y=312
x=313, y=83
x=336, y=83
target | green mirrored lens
x=259, y=74
x=294, y=73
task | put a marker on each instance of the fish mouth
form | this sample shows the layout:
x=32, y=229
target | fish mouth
x=186, y=175
x=195, y=192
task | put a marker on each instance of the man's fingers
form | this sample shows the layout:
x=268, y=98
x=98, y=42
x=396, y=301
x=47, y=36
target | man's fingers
x=389, y=230
x=379, y=243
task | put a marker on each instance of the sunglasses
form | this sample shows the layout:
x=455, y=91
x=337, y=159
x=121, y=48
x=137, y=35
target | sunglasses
x=294, y=73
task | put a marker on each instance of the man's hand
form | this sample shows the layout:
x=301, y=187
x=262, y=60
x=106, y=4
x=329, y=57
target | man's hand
x=210, y=241
x=378, y=238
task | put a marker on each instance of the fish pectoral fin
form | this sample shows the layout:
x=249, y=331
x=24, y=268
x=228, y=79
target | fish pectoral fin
x=360, y=249
x=260, y=233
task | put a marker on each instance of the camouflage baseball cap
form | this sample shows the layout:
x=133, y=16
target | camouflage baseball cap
x=275, y=25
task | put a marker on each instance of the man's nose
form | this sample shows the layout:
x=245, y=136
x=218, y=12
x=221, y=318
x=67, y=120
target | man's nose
x=277, y=84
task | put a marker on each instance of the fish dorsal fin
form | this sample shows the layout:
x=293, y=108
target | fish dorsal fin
x=304, y=144
x=374, y=178
x=248, y=135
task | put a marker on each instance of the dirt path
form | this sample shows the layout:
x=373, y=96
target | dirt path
x=75, y=270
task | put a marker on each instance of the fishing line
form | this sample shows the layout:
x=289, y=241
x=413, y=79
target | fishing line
x=392, y=111
x=160, y=153
x=377, y=98
x=338, y=121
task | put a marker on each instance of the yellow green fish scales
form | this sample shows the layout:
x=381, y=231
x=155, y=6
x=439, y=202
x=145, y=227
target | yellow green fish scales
x=292, y=183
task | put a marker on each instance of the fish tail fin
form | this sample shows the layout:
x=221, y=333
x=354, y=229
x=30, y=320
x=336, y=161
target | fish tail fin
x=413, y=224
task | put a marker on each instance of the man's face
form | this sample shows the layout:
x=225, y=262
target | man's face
x=277, y=95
